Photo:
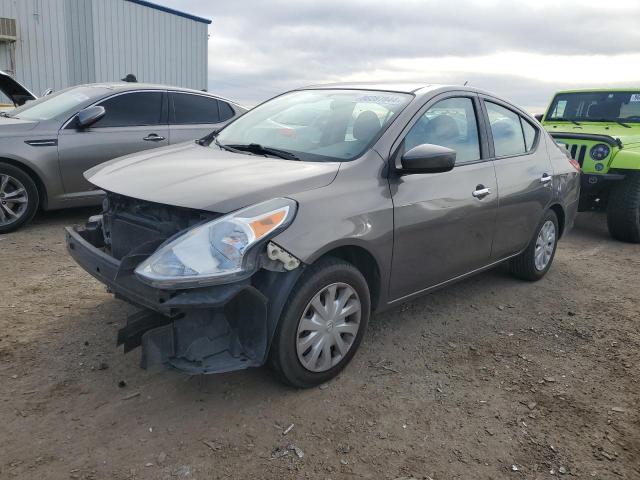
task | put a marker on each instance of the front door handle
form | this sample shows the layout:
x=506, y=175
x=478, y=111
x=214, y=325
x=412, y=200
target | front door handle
x=481, y=191
x=546, y=178
x=153, y=137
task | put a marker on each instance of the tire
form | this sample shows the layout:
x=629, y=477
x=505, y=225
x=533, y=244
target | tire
x=14, y=215
x=623, y=210
x=287, y=355
x=524, y=266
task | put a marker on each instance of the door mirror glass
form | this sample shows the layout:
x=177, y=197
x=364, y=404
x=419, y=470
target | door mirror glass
x=90, y=115
x=428, y=158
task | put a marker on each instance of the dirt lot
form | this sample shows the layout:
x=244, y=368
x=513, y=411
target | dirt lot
x=491, y=378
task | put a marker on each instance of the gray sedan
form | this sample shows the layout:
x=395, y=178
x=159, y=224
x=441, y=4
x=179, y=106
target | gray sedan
x=46, y=144
x=276, y=239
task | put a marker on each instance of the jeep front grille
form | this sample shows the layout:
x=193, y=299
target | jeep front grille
x=578, y=152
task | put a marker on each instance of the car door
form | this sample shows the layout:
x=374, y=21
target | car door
x=193, y=116
x=133, y=121
x=444, y=222
x=524, y=176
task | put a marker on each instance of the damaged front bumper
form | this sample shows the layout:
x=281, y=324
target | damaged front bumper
x=201, y=330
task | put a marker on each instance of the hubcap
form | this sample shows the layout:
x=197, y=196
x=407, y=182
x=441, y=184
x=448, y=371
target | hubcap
x=13, y=199
x=545, y=244
x=328, y=327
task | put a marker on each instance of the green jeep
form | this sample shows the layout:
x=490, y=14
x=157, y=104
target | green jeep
x=601, y=131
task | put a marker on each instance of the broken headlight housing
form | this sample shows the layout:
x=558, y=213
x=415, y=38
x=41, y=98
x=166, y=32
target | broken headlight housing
x=219, y=251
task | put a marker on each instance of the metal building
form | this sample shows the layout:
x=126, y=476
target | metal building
x=58, y=43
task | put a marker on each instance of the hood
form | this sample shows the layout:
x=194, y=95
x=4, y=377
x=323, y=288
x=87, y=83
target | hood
x=14, y=90
x=208, y=178
x=628, y=136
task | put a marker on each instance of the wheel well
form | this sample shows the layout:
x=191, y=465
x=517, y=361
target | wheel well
x=42, y=190
x=559, y=211
x=366, y=263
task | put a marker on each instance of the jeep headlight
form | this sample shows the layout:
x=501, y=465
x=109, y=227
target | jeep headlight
x=599, y=152
x=219, y=251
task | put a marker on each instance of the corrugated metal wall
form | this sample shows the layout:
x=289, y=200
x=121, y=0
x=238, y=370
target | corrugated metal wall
x=153, y=45
x=40, y=52
x=68, y=42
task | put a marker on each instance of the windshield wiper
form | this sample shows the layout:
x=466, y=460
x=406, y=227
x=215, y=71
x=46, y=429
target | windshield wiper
x=5, y=114
x=609, y=120
x=561, y=119
x=262, y=150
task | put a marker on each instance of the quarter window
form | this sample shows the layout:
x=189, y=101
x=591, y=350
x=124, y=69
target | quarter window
x=506, y=129
x=449, y=123
x=131, y=109
x=193, y=109
x=226, y=112
x=530, y=134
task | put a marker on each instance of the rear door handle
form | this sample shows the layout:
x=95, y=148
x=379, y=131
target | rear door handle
x=481, y=191
x=546, y=178
x=153, y=137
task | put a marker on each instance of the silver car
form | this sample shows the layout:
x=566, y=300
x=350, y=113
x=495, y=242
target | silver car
x=276, y=239
x=46, y=144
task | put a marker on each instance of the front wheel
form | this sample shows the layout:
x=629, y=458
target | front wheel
x=623, y=210
x=18, y=198
x=535, y=261
x=322, y=324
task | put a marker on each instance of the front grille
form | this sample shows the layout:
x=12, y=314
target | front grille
x=578, y=152
x=129, y=223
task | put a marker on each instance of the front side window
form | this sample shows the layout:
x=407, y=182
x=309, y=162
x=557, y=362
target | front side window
x=596, y=107
x=131, y=109
x=506, y=129
x=317, y=125
x=449, y=123
x=193, y=109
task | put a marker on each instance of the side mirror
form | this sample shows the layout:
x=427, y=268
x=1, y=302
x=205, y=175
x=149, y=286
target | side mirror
x=90, y=115
x=539, y=117
x=48, y=91
x=428, y=158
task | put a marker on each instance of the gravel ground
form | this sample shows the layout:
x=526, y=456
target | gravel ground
x=490, y=378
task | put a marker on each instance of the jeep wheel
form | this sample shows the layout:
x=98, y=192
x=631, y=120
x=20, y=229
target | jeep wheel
x=623, y=209
x=535, y=261
x=322, y=324
x=18, y=198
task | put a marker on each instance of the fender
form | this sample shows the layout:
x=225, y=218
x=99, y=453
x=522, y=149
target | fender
x=626, y=160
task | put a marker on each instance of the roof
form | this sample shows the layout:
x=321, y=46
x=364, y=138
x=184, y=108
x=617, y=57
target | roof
x=126, y=86
x=392, y=87
x=155, y=6
x=613, y=90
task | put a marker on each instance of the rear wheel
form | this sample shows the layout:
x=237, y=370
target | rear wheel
x=18, y=198
x=623, y=210
x=322, y=324
x=535, y=261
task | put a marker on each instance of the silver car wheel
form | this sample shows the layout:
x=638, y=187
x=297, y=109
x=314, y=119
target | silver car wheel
x=328, y=327
x=545, y=244
x=14, y=199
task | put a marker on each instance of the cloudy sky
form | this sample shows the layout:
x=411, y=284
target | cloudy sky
x=523, y=50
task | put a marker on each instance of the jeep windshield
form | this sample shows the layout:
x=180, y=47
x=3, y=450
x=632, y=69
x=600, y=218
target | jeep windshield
x=619, y=107
x=314, y=125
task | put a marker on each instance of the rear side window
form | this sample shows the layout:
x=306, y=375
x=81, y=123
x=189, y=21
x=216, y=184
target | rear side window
x=506, y=129
x=131, y=109
x=226, y=112
x=193, y=109
x=449, y=123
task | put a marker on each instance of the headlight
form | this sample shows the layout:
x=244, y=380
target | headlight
x=599, y=152
x=219, y=251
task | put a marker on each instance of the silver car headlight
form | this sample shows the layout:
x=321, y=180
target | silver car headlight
x=219, y=251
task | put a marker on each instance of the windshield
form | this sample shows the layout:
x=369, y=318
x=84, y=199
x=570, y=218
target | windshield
x=317, y=125
x=55, y=104
x=596, y=107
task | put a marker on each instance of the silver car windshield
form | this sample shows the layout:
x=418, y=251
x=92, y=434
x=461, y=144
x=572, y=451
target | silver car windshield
x=316, y=125
x=46, y=108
